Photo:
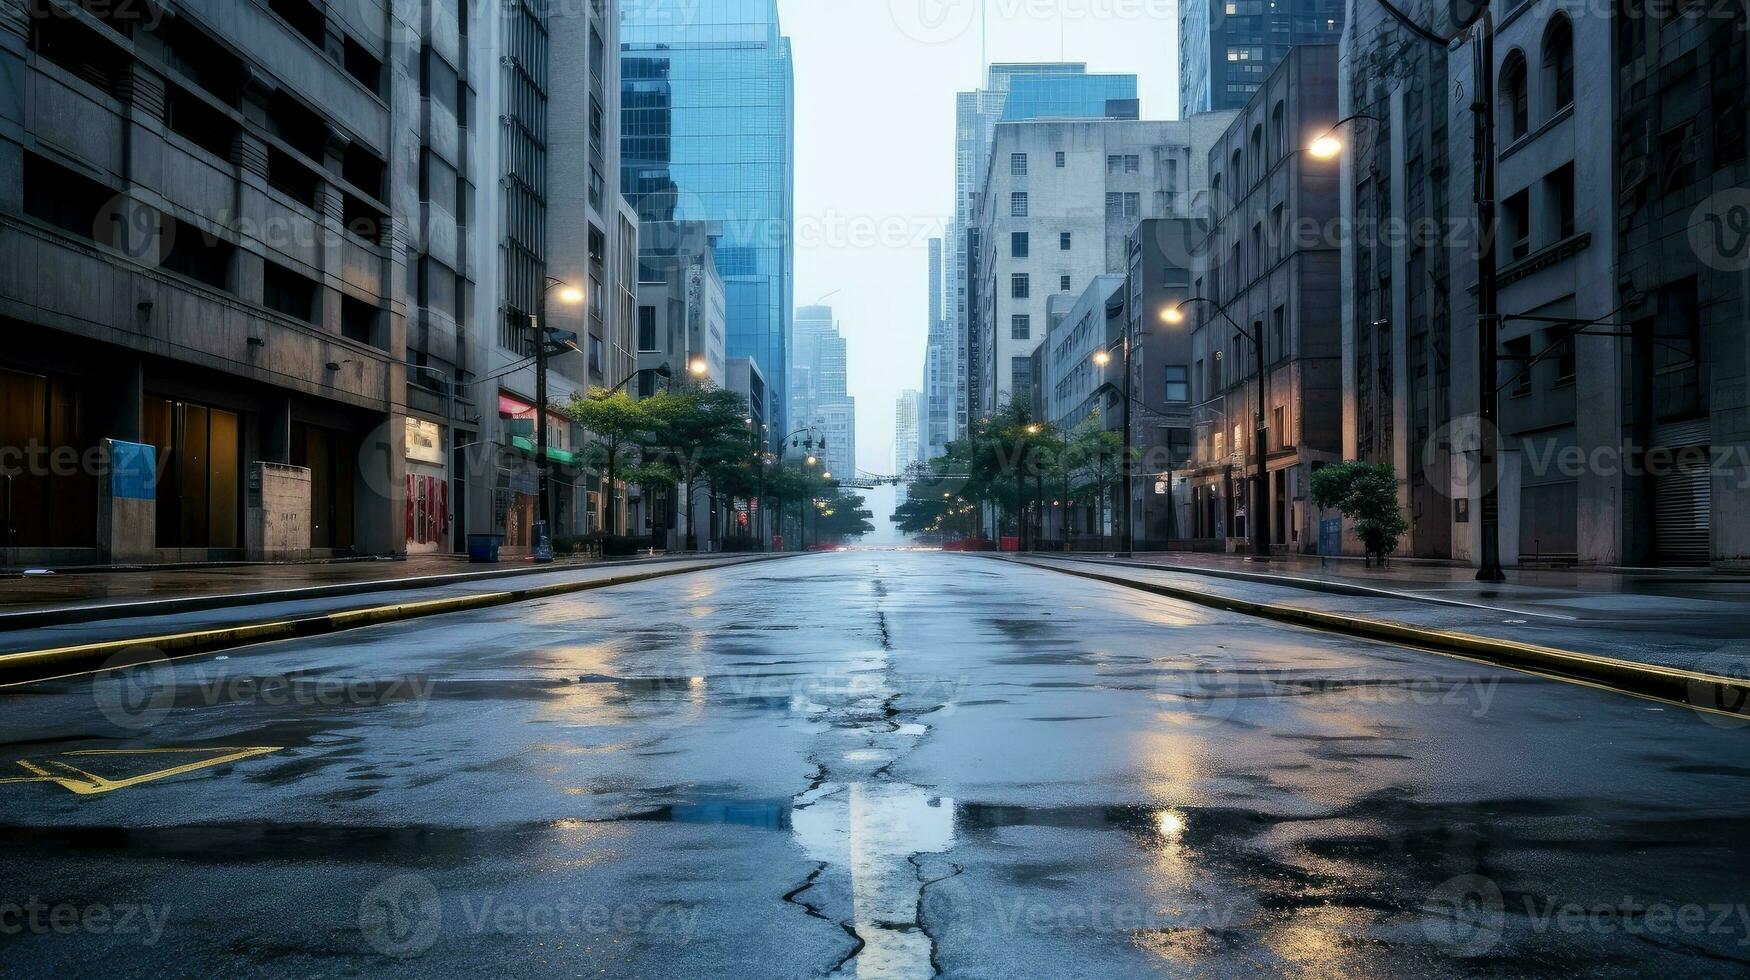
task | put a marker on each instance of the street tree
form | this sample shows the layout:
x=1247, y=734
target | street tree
x=619, y=428
x=1366, y=493
x=694, y=429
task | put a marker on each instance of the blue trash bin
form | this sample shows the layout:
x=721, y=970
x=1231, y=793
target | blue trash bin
x=483, y=548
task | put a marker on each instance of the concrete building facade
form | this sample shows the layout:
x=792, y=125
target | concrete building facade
x=1270, y=265
x=1059, y=201
x=205, y=300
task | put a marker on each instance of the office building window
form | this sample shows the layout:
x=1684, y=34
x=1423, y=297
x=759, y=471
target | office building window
x=1178, y=384
x=1060, y=160
x=1063, y=284
x=1020, y=327
x=1018, y=244
x=646, y=328
x=1018, y=164
x=1063, y=242
x=1020, y=287
x=1018, y=204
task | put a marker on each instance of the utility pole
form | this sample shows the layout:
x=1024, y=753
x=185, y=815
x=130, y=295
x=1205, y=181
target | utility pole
x=1488, y=312
x=544, y=520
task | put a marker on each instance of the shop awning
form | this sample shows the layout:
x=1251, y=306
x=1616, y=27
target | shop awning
x=526, y=446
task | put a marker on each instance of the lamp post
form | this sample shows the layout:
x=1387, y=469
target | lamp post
x=1256, y=515
x=1464, y=14
x=571, y=296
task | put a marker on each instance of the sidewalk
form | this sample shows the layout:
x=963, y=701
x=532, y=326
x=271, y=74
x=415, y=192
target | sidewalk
x=187, y=624
x=1583, y=593
x=1686, y=624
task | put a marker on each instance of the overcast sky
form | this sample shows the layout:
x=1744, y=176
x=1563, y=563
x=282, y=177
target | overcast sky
x=875, y=84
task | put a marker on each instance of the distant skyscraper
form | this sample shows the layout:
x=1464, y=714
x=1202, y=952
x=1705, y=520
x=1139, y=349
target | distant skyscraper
x=819, y=394
x=709, y=135
x=1044, y=90
x=907, y=445
x=1226, y=47
x=936, y=414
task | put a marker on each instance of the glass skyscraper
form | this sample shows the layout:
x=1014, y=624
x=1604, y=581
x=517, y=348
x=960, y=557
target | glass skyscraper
x=708, y=134
x=1070, y=96
x=1226, y=47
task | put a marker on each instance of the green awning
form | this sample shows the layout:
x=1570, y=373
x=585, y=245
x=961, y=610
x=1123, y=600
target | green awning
x=527, y=447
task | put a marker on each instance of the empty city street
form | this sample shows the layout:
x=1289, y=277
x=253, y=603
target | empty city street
x=869, y=764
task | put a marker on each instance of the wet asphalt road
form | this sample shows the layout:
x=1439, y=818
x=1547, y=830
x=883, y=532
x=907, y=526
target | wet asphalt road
x=863, y=764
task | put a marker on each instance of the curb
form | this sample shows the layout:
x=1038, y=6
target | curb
x=35, y=665
x=1279, y=580
x=1703, y=692
x=31, y=619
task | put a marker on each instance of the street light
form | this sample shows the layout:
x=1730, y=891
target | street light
x=697, y=367
x=1102, y=357
x=1256, y=515
x=1326, y=146
x=571, y=296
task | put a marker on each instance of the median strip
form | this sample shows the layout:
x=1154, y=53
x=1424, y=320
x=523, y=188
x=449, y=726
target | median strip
x=1703, y=692
x=34, y=665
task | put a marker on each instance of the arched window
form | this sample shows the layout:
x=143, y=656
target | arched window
x=1514, y=98
x=1258, y=153
x=1278, y=132
x=1237, y=171
x=1558, y=63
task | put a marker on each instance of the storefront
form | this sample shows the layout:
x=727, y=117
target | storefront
x=428, y=511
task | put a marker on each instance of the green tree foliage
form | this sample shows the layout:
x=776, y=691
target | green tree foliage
x=1366, y=493
x=620, y=428
x=696, y=432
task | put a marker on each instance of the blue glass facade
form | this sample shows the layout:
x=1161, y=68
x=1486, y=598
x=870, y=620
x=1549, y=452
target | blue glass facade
x=708, y=134
x=1070, y=96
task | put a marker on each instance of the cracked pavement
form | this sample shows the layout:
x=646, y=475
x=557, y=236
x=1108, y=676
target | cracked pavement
x=864, y=764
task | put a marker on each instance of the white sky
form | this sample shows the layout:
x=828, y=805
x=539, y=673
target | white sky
x=875, y=84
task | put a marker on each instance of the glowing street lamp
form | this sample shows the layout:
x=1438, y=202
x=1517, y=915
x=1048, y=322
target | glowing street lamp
x=1326, y=147
x=697, y=367
x=1102, y=358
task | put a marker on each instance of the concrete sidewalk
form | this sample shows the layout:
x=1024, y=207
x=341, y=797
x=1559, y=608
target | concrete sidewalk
x=1707, y=632
x=78, y=595
x=1582, y=593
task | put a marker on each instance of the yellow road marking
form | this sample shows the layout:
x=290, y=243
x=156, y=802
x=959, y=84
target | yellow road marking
x=76, y=780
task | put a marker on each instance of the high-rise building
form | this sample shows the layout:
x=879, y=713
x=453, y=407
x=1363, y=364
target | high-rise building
x=1226, y=47
x=1054, y=89
x=550, y=199
x=1281, y=287
x=709, y=136
x=907, y=444
x=1060, y=199
x=819, y=393
x=936, y=417
x=227, y=280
